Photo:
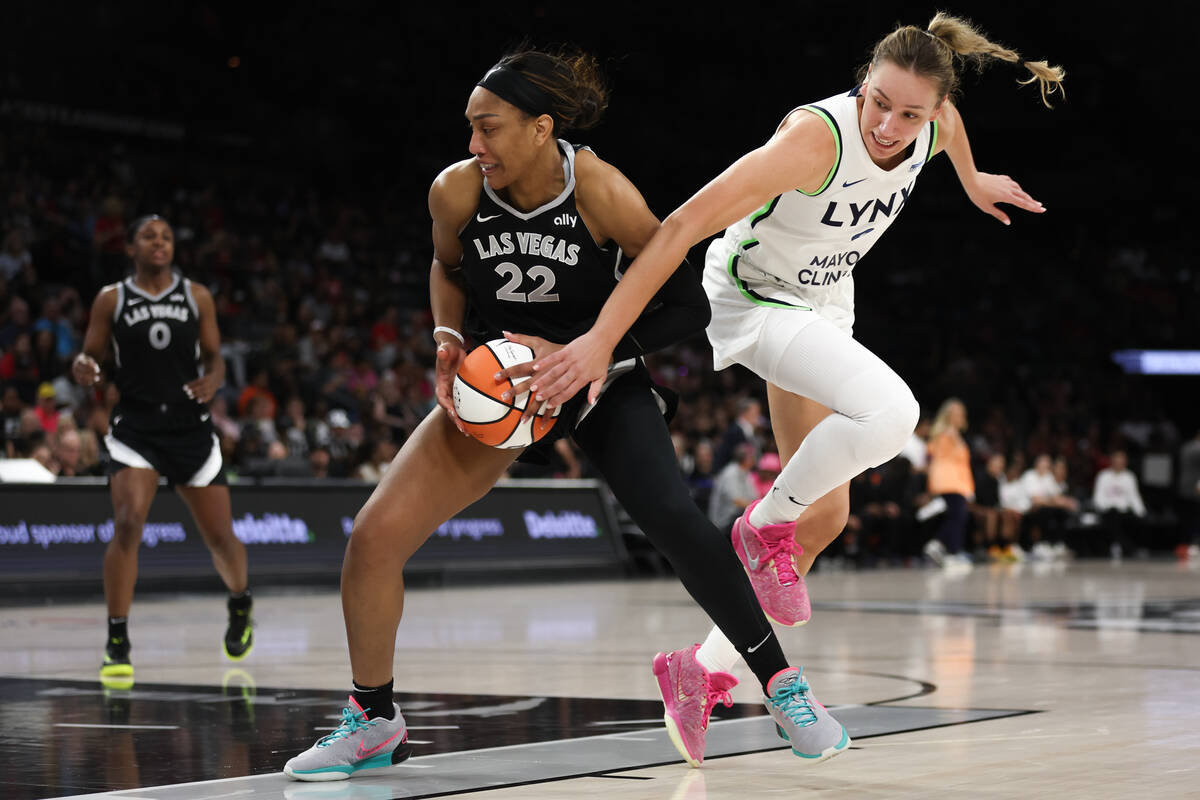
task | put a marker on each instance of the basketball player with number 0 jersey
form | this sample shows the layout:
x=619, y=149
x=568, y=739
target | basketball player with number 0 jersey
x=165, y=347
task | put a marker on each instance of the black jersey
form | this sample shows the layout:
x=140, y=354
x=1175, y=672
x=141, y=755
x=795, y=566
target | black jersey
x=538, y=272
x=156, y=343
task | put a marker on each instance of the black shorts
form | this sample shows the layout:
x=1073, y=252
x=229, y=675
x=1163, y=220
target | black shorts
x=189, y=456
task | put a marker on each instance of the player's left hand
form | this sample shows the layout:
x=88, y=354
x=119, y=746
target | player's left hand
x=987, y=190
x=203, y=388
x=520, y=374
x=582, y=362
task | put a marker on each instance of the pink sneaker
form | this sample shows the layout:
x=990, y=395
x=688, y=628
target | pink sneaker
x=769, y=556
x=689, y=692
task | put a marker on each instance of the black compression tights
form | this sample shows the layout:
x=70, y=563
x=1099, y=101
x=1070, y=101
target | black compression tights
x=627, y=440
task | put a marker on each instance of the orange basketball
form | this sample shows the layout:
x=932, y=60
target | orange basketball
x=477, y=402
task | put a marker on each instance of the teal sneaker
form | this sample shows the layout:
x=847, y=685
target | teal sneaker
x=803, y=722
x=357, y=744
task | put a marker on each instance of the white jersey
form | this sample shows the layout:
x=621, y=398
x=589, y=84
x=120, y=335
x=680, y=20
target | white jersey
x=800, y=249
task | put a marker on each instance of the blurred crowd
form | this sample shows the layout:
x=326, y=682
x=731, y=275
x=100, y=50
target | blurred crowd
x=956, y=498
x=323, y=310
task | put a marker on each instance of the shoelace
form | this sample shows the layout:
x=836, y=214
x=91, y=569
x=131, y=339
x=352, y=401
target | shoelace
x=794, y=703
x=781, y=551
x=714, y=696
x=351, y=721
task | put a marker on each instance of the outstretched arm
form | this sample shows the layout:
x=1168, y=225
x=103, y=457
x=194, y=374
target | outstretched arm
x=800, y=155
x=985, y=190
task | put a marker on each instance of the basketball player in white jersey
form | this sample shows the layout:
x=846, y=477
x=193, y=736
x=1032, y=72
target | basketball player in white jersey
x=799, y=214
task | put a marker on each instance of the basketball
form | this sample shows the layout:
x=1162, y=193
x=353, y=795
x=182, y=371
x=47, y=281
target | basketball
x=477, y=398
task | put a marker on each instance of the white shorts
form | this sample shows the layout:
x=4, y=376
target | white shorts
x=738, y=318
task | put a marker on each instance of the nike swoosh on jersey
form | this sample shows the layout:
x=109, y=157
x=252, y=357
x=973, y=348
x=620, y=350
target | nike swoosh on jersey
x=851, y=183
x=204, y=417
x=485, y=219
x=362, y=753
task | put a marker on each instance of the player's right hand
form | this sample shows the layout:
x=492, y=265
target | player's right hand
x=85, y=370
x=450, y=356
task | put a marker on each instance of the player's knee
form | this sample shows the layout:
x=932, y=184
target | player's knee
x=893, y=424
x=127, y=529
x=377, y=540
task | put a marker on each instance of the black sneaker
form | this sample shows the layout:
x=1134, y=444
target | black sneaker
x=239, y=636
x=116, y=671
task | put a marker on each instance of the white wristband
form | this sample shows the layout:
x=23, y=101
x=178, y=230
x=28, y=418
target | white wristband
x=451, y=331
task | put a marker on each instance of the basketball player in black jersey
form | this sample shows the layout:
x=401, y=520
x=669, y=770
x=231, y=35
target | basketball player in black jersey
x=167, y=366
x=527, y=234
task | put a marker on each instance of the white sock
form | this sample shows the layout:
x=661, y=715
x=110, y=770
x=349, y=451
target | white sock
x=775, y=509
x=717, y=654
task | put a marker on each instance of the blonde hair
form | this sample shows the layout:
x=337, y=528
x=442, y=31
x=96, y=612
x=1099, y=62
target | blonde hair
x=941, y=422
x=935, y=53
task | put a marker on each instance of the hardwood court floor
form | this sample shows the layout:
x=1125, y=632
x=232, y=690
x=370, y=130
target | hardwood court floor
x=545, y=691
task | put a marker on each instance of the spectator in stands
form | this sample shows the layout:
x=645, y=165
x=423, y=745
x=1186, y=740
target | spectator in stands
x=260, y=418
x=11, y=409
x=14, y=258
x=385, y=337
x=700, y=481
x=224, y=425
x=986, y=508
x=1049, y=511
x=1119, y=502
x=108, y=238
x=259, y=386
x=880, y=513
x=89, y=454
x=917, y=448
x=294, y=428
x=45, y=355
x=65, y=340
x=949, y=477
x=734, y=487
x=318, y=461
x=743, y=430
x=42, y=454
x=765, y=473
x=19, y=370
x=1015, y=502
x=67, y=448
x=344, y=439
x=18, y=324
x=47, y=408
x=382, y=454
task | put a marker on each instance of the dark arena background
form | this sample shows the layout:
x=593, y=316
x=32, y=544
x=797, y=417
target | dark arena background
x=292, y=150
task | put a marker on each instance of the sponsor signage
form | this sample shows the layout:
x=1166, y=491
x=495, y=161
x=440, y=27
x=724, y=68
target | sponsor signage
x=58, y=532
